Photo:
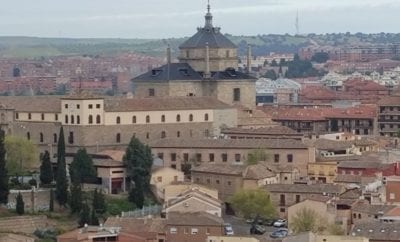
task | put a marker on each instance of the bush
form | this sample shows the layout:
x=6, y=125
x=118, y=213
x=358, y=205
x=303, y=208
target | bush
x=32, y=182
x=116, y=206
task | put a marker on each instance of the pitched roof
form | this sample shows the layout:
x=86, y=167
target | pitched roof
x=327, y=144
x=347, y=178
x=274, y=130
x=364, y=207
x=389, y=101
x=304, y=188
x=194, y=193
x=351, y=194
x=51, y=104
x=173, y=71
x=210, y=36
x=378, y=231
x=137, y=224
x=229, y=143
x=236, y=170
x=360, y=164
x=196, y=219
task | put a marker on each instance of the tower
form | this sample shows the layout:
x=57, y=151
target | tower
x=297, y=23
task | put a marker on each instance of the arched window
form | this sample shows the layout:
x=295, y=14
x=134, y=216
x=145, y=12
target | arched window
x=163, y=118
x=90, y=119
x=42, y=116
x=191, y=117
x=29, y=116
x=118, y=138
x=178, y=134
x=55, y=140
x=98, y=119
x=66, y=119
x=206, y=117
x=72, y=119
x=41, y=138
x=78, y=119
x=28, y=135
x=118, y=120
x=163, y=135
x=147, y=135
x=178, y=118
x=147, y=119
x=133, y=119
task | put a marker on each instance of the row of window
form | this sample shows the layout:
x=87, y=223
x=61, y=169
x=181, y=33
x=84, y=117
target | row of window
x=55, y=137
x=224, y=157
x=78, y=106
x=178, y=118
x=208, y=181
x=42, y=116
x=192, y=231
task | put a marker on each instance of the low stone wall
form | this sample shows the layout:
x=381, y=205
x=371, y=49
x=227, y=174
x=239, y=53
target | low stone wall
x=23, y=224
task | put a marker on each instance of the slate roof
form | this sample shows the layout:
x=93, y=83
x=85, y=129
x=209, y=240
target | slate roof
x=304, y=188
x=252, y=172
x=195, y=219
x=208, y=35
x=378, y=231
x=372, y=209
x=348, y=178
x=51, y=104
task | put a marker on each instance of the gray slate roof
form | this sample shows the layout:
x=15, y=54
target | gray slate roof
x=212, y=36
x=378, y=231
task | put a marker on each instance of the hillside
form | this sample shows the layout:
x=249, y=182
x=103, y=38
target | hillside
x=31, y=47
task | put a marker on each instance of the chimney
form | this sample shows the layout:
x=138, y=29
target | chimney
x=207, y=73
x=248, y=58
x=168, y=60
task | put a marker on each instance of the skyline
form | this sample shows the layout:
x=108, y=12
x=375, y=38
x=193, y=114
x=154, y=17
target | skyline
x=180, y=18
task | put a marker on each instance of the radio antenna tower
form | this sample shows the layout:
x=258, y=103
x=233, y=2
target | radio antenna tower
x=297, y=23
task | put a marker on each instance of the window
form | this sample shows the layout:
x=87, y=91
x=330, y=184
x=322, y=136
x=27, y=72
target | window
x=229, y=183
x=41, y=137
x=29, y=116
x=42, y=116
x=217, y=181
x=28, y=136
x=359, y=216
x=147, y=135
x=227, y=53
x=147, y=119
x=66, y=119
x=55, y=138
x=178, y=118
x=206, y=133
x=66, y=105
x=161, y=156
x=56, y=117
x=392, y=196
x=276, y=158
x=173, y=156
x=71, y=137
x=133, y=119
x=151, y=92
x=207, y=230
x=211, y=157
x=282, y=200
x=118, y=138
x=163, y=135
x=198, y=157
x=72, y=119
x=173, y=230
x=297, y=198
x=224, y=157
x=98, y=106
x=186, y=230
x=98, y=119
x=178, y=134
x=78, y=106
x=159, y=178
x=282, y=210
x=191, y=117
x=237, y=157
x=354, y=215
x=206, y=117
x=90, y=119
x=289, y=158
x=90, y=106
x=195, y=230
x=118, y=120
x=16, y=115
x=236, y=94
x=185, y=157
x=163, y=118
x=173, y=166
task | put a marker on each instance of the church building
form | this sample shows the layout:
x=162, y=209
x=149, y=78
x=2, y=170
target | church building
x=207, y=67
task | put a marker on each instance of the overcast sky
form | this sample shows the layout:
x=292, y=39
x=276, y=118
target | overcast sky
x=178, y=18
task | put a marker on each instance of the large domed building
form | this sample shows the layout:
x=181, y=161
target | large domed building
x=208, y=66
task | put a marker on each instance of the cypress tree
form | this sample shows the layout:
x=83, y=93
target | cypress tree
x=94, y=220
x=76, y=198
x=81, y=167
x=51, y=203
x=84, y=216
x=99, y=203
x=20, y=205
x=46, y=170
x=61, y=179
x=4, y=189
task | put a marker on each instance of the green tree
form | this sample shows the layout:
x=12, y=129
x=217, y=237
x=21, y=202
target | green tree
x=51, y=203
x=81, y=167
x=271, y=74
x=306, y=220
x=46, y=170
x=84, y=216
x=75, y=201
x=22, y=155
x=252, y=203
x=4, y=189
x=335, y=229
x=61, y=179
x=94, y=220
x=320, y=57
x=274, y=63
x=256, y=156
x=138, y=161
x=99, y=202
x=20, y=205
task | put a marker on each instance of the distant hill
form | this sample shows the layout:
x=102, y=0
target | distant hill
x=33, y=47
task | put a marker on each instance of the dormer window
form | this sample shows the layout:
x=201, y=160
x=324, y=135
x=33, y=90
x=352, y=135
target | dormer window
x=155, y=72
x=184, y=71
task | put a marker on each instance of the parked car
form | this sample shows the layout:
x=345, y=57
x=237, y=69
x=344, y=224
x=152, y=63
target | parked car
x=228, y=229
x=280, y=223
x=257, y=229
x=280, y=233
x=269, y=222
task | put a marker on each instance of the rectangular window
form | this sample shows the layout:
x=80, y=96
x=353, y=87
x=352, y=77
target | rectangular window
x=186, y=230
x=297, y=198
x=66, y=105
x=185, y=157
x=98, y=106
x=236, y=94
x=195, y=230
x=151, y=92
x=198, y=157
x=276, y=158
x=282, y=200
x=16, y=115
x=282, y=210
x=224, y=157
x=173, y=231
x=90, y=106
x=159, y=178
x=78, y=106
x=289, y=158
x=237, y=157
x=56, y=117
x=211, y=156
x=392, y=196
x=207, y=230
x=29, y=116
x=161, y=156
x=42, y=116
x=173, y=156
